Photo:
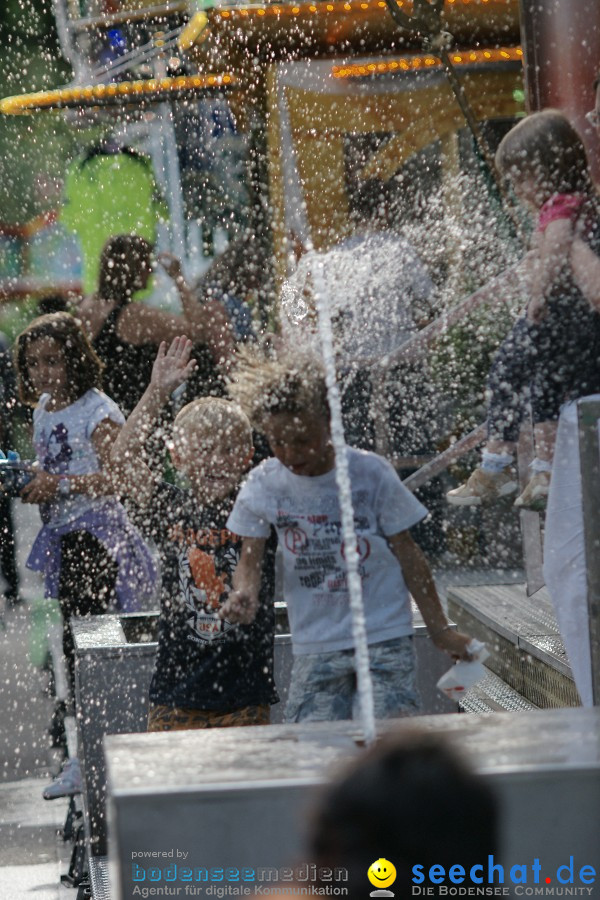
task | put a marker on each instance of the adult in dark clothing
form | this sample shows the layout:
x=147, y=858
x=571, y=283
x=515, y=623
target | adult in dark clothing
x=8, y=565
x=126, y=335
x=552, y=354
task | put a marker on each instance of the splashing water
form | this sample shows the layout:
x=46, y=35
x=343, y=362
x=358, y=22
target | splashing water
x=342, y=477
x=371, y=281
x=380, y=281
x=295, y=308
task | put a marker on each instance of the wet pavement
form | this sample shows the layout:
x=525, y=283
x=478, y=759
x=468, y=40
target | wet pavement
x=30, y=849
x=31, y=852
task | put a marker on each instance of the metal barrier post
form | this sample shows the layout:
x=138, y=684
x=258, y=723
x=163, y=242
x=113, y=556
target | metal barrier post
x=589, y=451
x=531, y=529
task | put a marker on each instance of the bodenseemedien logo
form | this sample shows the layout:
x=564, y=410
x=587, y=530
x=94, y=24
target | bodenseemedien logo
x=382, y=874
x=184, y=879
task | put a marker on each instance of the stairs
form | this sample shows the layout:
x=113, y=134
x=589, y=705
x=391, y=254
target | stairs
x=528, y=667
x=493, y=695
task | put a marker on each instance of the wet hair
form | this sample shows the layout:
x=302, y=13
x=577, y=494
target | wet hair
x=84, y=368
x=271, y=385
x=215, y=416
x=121, y=264
x=545, y=147
x=408, y=799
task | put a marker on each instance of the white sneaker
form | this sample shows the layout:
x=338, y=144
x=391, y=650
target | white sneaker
x=67, y=783
x=483, y=487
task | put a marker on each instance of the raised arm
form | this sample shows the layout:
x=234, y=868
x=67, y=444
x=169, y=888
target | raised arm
x=586, y=269
x=553, y=250
x=206, y=323
x=171, y=368
x=209, y=321
x=242, y=604
x=421, y=585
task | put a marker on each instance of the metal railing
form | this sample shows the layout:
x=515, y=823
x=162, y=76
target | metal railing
x=504, y=288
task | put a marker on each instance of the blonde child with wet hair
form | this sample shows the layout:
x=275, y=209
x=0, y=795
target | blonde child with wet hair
x=296, y=493
x=210, y=671
x=210, y=416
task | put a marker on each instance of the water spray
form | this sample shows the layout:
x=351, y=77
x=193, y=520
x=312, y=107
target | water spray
x=426, y=21
x=297, y=309
x=342, y=477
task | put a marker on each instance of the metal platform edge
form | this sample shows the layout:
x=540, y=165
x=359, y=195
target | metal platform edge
x=99, y=881
x=491, y=694
x=527, y=650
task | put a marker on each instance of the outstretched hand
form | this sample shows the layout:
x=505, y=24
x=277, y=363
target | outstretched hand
x=172, y=366
x=455, y=643
x=170, y=264
x=239, y=608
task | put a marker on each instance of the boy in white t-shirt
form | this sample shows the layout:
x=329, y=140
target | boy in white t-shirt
x=296, y=492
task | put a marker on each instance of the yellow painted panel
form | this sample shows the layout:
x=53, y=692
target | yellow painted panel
x=321, y=166
x=319, y=122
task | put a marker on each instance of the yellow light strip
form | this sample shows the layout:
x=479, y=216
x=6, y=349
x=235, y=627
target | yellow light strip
x=297, y=9
x=428, y=61
x=101, y=94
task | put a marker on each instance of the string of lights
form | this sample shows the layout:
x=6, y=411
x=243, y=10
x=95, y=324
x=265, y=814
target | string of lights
x=107, y=94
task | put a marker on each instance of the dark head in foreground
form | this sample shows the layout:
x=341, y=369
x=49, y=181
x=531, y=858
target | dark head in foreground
x=411, y=800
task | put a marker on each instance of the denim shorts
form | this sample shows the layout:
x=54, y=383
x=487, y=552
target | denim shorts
x=323, y=686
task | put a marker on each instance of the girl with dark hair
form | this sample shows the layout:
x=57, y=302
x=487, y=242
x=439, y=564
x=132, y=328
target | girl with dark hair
x=73, y=353
x=552, y=354
x=126, y=335
x=91, y=556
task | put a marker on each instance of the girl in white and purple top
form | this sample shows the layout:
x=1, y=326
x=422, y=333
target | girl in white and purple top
x=91, y=556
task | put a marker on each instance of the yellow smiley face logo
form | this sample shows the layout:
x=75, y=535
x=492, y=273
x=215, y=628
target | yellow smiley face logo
x=382, y=873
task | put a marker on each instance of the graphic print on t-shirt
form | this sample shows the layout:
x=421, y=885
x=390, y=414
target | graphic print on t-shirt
x=204, y=574
x=206, y=559
x=306, y=514
x=58, y=450
x=315, y=544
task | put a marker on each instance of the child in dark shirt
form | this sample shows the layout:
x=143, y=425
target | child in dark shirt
x=209, y=671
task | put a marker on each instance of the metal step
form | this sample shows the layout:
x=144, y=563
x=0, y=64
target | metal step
x=522, y=635
x=491, y=694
